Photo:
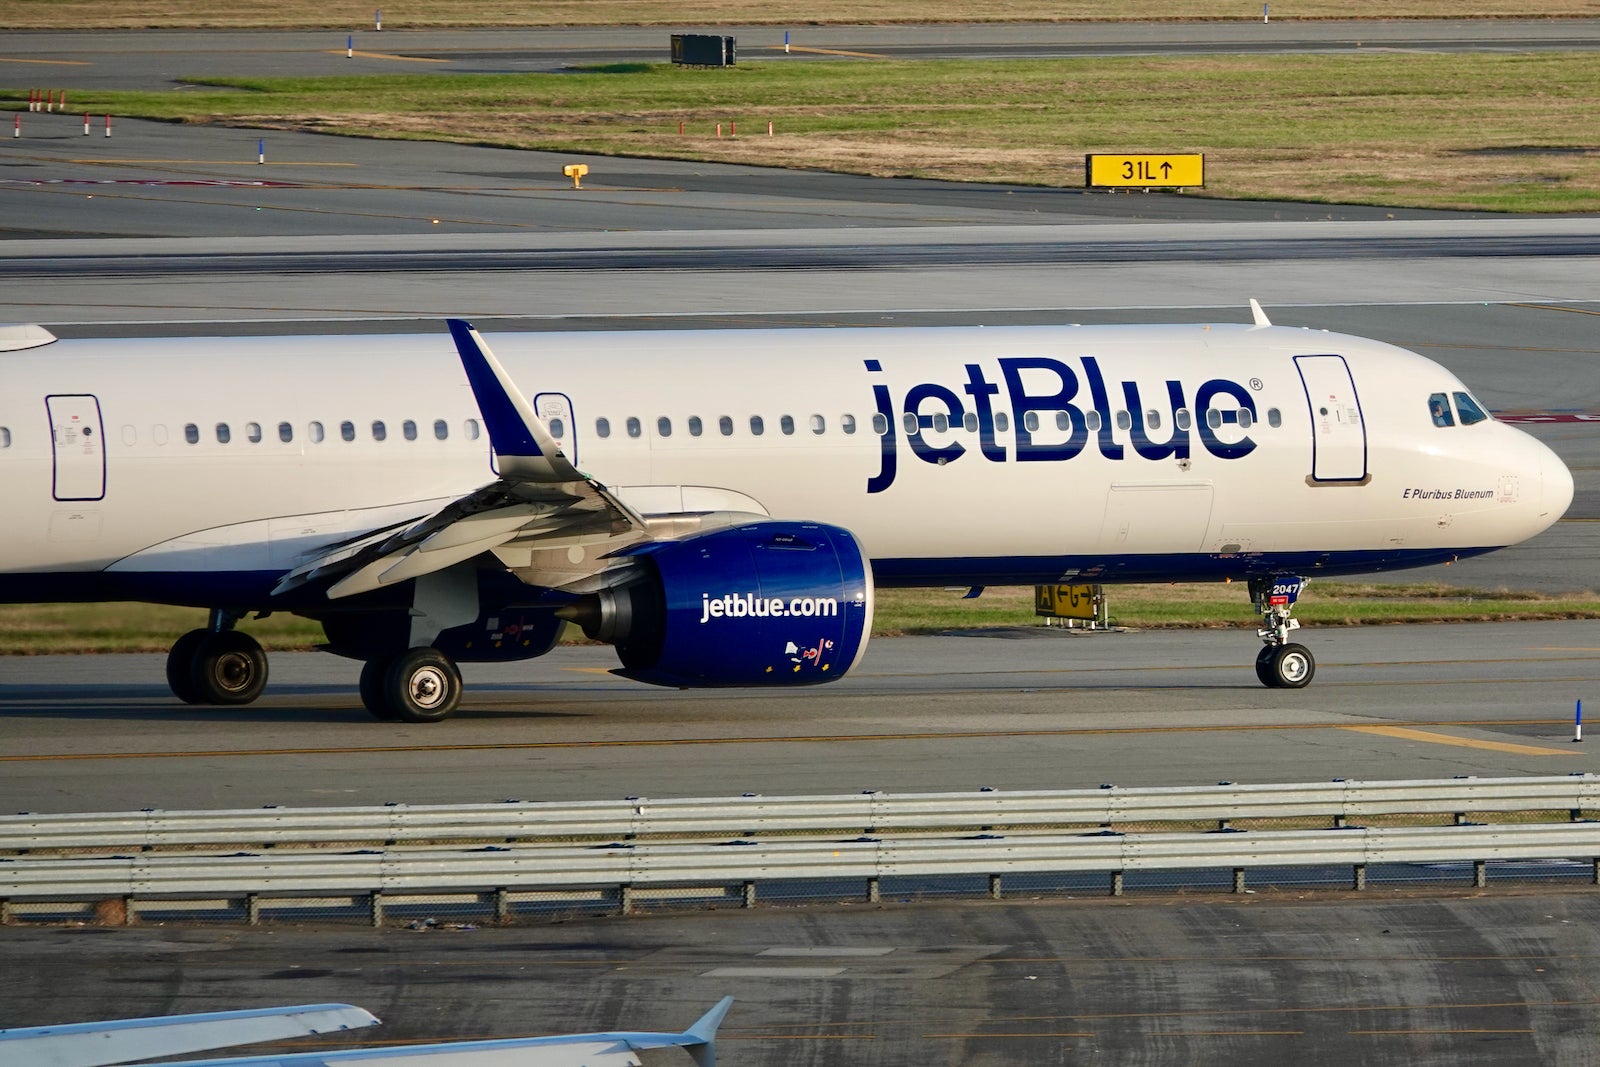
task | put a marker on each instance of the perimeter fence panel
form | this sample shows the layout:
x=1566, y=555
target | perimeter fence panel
x=514, y=861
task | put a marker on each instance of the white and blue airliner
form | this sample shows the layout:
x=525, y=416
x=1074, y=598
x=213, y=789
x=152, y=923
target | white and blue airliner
x=720, y=505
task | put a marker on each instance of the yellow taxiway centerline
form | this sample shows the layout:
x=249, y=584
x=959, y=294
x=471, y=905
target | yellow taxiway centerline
x=827, y=51
x=385, y=55
x=1405, y=734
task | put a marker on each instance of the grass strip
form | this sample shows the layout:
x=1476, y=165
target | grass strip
x=1499, y=132
x=50, y=629
x=418, y=14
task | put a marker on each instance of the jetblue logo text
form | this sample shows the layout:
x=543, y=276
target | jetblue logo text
x=748, y=605
x=1047, y=418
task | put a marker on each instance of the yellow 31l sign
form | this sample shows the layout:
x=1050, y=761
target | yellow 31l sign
x=1145, y=172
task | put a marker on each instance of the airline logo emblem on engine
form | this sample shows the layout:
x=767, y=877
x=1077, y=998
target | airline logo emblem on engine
x=751, y=606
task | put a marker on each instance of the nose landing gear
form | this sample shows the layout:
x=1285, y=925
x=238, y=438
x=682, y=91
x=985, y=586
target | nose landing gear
x=1282, y=664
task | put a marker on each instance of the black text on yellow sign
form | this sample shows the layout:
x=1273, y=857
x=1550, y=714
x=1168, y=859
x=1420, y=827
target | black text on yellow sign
x=1065, y=601
x=1145, y=172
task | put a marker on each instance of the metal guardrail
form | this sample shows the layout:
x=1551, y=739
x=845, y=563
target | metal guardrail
x=871, y=812
x=898, y=840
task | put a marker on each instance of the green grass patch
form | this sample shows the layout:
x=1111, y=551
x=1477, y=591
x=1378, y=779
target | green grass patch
x=44, y=629
x=1496, y=132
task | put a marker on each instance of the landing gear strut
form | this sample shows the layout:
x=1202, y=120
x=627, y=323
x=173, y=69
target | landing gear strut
x=217, y=665
x=419, y=685
x=1281, y=664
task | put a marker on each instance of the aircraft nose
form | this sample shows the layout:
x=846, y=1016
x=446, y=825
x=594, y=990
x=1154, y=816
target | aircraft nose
x=1555, y=482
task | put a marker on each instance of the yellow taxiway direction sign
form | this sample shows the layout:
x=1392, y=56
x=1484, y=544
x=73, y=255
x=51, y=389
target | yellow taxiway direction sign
x=1145, y=172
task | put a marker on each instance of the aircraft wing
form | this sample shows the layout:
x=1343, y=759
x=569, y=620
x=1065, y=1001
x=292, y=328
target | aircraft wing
x=121, y=1040
x=611, y=1049
x=540, y=499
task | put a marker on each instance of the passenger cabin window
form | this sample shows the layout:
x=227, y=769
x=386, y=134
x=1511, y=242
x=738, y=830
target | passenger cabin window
x=819, y=426
x=1468, y=409
x=1439, y=410
x=1274, y=418
x=285, y=432
x=224, y=435
x=558, y=427
x=1182, y=419
x=602, y=427
x=5, y=437
x=380, y=432
x=757, y=426
x=1245, y=418
x=1124, y=421
x=969, y=422
x=1002, y=422
x=1091, y=421
x=786, y=424
x=1152, y=419
x=663, y=427
x=696, y=427
x=252, y=432
x=635, y=427
x=725, y=426
x=908, y=422
x=470, y=427
x=314, y=431
x=158, y=433
x=880, y=424
x=409, y=429
x=847, y=423
x=441, y=430
x=191, y=433
x=347, y=430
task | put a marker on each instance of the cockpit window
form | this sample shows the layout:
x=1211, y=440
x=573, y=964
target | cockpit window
x=1468, y=409
x=1439, y=408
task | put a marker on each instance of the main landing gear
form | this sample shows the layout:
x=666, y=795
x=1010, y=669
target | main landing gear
x=217, y=665
x=1281, y=664
x=419, y=685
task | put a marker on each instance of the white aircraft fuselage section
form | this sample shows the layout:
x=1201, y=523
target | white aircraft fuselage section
x=167, y=469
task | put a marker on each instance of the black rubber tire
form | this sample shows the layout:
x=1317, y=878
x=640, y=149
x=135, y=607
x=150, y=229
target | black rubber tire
x=180, y=665
x=1292, y=667
x=374, y=675
x=228, y=667
x=1264, y=666
x=422, y=685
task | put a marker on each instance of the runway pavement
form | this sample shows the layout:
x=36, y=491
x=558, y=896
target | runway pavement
x=1010, y=709
x=1494, y=979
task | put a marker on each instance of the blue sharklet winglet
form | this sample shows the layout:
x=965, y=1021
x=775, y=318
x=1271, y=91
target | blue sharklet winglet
x=523, y=447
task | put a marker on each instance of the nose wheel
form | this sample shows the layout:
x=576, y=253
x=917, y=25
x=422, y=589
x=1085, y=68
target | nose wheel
x=1288, y=666
x=1281, y=664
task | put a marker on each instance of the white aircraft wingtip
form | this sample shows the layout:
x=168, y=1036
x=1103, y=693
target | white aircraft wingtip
x=1259, y=315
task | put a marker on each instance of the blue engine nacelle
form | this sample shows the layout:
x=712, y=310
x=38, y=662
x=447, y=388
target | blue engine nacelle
x=769, y=603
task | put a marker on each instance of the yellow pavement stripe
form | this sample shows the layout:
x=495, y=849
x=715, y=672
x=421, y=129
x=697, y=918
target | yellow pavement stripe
x=1405, y=734
x=828, y=52
x=777, y=739
x=49, y=62
x=385, y=55
x=1556, y=307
